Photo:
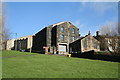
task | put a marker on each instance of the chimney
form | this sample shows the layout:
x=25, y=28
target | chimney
x=97, y=33
x=89, y=33
x=107, y=34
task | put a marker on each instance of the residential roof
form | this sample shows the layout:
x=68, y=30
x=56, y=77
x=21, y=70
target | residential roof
x=59, y=23
x=82, y=38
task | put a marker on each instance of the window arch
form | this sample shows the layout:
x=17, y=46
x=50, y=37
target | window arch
x=62, y=29
x=62, y=37
x=73, y=38
x=73, y=30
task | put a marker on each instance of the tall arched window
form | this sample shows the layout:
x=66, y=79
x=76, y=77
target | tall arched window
x=62, y=29
x=95, y=45
x=85, y=43
x=73, y=30
x=89, y=42
x=62, y=37
x=73, y=38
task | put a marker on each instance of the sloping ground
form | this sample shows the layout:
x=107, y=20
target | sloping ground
x=52, y=66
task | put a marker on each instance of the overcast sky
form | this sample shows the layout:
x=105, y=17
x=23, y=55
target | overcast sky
x=27, y=18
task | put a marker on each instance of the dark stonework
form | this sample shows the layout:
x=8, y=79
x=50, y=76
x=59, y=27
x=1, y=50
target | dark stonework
x=85, y=44
x=39, y=40
x=50, y=37
x=54, y=36
x=75, y=47
x=21, y=44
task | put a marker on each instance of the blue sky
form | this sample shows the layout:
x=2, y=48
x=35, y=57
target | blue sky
x=27, y=18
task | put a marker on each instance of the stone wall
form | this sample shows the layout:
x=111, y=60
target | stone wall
x=89, y=43
x=50, y=36
x=75, y=47
x=24, y=43
x=10, y=44
x=68, y=34
x=40, y=40
x=85, y=44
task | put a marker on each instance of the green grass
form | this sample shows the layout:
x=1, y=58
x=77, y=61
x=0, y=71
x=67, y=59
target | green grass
x=52, y=66
x=15, y=53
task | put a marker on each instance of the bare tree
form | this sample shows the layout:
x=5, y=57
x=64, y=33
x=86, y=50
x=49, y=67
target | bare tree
x=110, y=28
x=4, y=30
x=0, y=25
x=112, y=37
x=114, y=45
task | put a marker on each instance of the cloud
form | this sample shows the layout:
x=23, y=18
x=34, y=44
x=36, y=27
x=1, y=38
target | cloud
x=99, y=7
x=102, y=7
x=78, y=24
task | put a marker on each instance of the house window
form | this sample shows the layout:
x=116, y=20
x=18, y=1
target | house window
x=85, y=43
x=73, y=30
x=62, y=29
x=95, y=45
x=88, y=38
x=73, y=38
x=62, y=37
x=89, y=42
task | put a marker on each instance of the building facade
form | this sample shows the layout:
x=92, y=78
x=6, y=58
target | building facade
x=24, y=43
x=10, y=44
x=59, y=38
x=55, y=38
x=85, y=44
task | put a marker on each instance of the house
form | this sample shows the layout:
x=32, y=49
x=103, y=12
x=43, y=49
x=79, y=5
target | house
x=107, y=42
x=24, y=43
x=85, y=44
x=10, y=44
x=55, y=38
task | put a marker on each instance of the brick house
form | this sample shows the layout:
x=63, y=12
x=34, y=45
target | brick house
x=85, y=44
x=55, y=38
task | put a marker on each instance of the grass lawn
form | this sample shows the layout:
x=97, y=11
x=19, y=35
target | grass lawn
x=53, y=66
